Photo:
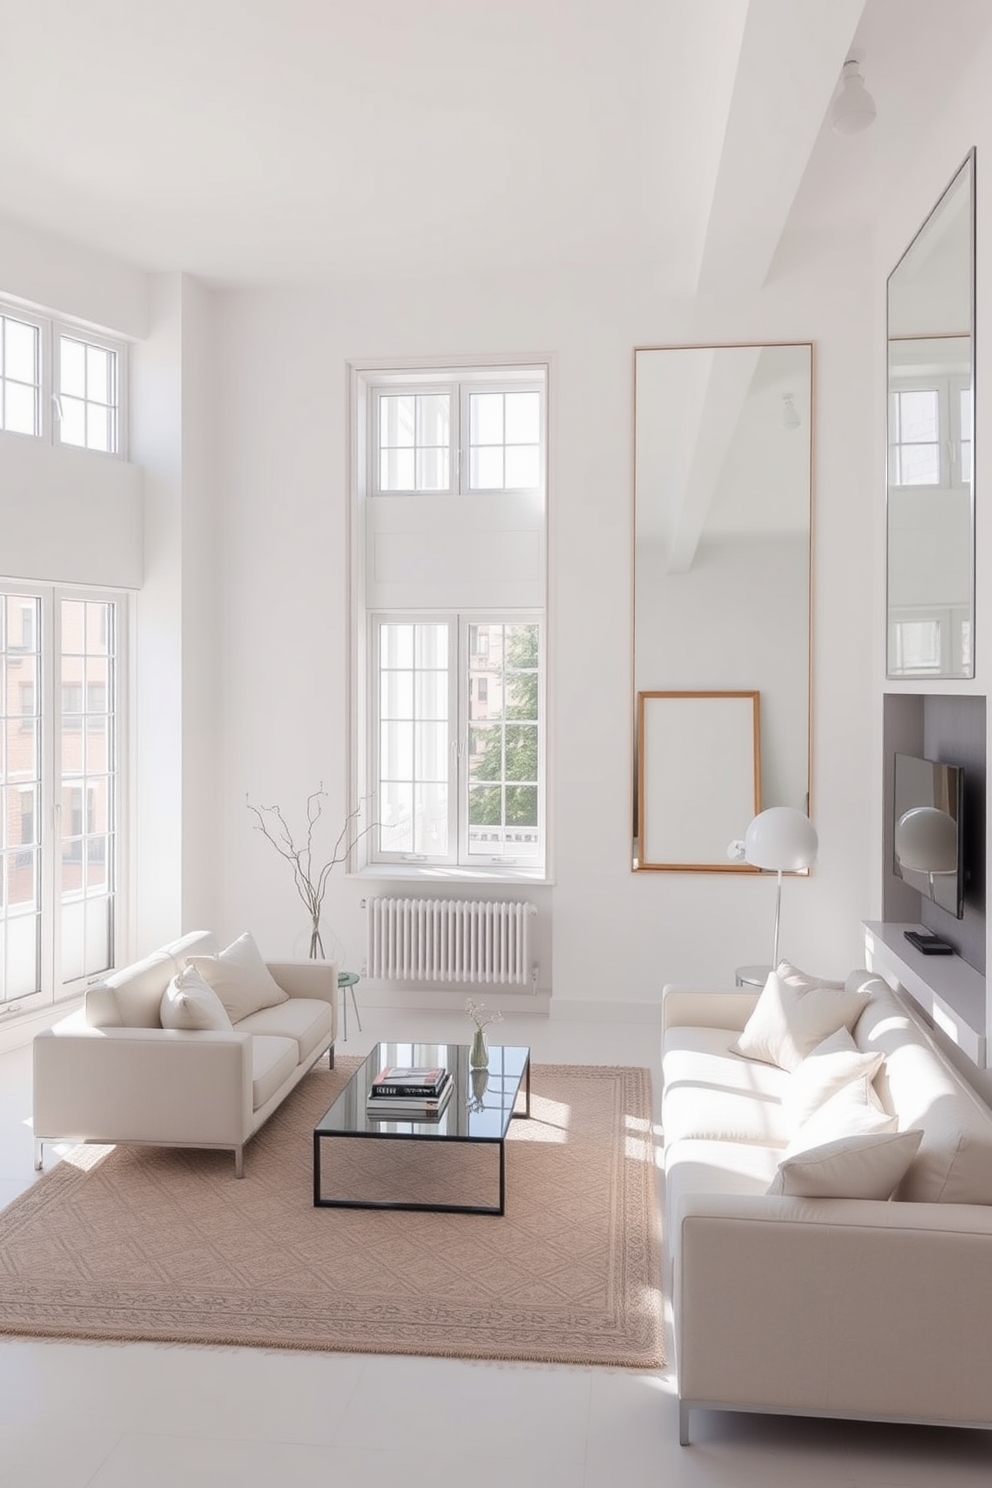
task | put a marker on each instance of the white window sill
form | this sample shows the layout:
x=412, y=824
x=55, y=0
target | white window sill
x=437, y=873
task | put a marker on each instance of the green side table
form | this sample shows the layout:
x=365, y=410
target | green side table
x=347, y=981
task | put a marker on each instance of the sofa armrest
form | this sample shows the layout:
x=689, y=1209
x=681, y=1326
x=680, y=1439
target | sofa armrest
x=701, y=1007
x=142, y=1085
x=303, y=978
x=835, y=1306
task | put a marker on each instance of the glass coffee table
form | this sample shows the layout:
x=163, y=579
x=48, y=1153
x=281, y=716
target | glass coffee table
x=480, y=1110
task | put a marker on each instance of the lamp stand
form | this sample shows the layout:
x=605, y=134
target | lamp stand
x=778, y=916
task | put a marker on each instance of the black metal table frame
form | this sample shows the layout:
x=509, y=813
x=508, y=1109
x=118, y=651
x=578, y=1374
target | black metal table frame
x=381, y=1136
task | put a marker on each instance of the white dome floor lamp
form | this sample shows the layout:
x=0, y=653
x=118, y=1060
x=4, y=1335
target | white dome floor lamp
x=782, y=840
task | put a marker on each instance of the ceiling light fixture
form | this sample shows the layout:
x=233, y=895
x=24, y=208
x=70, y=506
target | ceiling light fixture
x=854, y=107
x=791, y=417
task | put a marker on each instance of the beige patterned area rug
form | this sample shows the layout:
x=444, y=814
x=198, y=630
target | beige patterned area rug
x=148, y=1243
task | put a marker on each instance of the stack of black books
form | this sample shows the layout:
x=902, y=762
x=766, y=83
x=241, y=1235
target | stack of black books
x=402, y=1092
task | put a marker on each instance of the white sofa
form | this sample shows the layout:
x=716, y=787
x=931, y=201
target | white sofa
x=839, y=1306
x=111, y=1073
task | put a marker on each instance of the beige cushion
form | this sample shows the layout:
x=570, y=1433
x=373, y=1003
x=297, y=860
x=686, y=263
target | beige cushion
x=132, y=997
x=789, y=1021
x=954, y=1161
x=306, y=1019
x=240, y=978
x=273, y=1061
x=711, y=1094
x=868, y=1165
x=854, y=1110
x=189, y=1003
x=825, y=1070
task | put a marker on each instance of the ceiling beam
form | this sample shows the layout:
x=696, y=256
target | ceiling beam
x=791, y=56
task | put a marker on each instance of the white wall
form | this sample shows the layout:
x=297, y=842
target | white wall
x=617, y=936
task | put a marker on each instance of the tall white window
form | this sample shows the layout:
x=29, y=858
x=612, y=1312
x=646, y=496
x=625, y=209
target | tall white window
x=930, y=432
x=451, y=502
x=60, y=775
x=61, y=384
x=460, y=746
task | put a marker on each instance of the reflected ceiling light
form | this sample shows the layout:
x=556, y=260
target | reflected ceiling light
x=791, y=417
x=854, y=107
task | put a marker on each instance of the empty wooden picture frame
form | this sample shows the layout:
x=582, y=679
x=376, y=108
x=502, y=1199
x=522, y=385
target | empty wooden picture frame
x=698, y=778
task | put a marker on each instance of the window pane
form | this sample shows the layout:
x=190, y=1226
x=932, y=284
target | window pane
x=486, y=418
x=20, y=359
x=432, y=470
x=521, y=805
x=97, y=427
x=485, y=806
x=431, y=643
x=397, y=421
x=396, y=817
x=486, y=469
x=72, y=428
x=433, y=419
x=72, y=367
x=396, y=751
x=920, y=465
x=396, y=694
x=521, y=751
x=918, y=416
x=523, y=418
x=431, y=819
x=20, y=409
x=23, y=960
x=486, y=753
x=431, y=751
x=98, y=383
x=431, y=695
x=396, y=645
x=523, y=468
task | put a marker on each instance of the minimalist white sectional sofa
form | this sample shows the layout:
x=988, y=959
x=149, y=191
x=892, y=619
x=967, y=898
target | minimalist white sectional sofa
x=807, y=1299
x=111, y=1072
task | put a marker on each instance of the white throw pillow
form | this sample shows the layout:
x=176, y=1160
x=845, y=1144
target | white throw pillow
x=788, y=1022
x=802, y=979
x=869, y=1165
x=826, y=1069
x=190, y=1004
x=852, y=1111
x=240, y=978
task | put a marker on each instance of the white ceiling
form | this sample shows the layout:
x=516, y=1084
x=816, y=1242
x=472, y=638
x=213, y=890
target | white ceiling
x=286, y=140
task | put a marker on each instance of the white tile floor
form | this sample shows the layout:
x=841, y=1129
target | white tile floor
x=150, y=1416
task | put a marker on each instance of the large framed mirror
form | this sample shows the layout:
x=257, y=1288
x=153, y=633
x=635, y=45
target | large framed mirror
x=722, y=526
x=930, y=511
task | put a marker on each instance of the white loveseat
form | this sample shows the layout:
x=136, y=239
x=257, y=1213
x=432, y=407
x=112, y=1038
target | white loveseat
x=111, y=1072
x=877, y=1308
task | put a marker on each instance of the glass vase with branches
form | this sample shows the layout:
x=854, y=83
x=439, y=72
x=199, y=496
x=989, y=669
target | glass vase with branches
x=310, y=878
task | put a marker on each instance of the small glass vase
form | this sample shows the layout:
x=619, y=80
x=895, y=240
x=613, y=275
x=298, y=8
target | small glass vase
x=478, y=1056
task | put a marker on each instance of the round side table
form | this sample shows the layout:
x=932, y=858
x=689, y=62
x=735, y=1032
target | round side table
x=347, y=981
x=751, y=976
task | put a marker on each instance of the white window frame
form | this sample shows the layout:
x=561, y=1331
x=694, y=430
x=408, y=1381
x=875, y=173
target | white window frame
x=48, y=826
x=367, y=378
x=948, y=390
x=51, y=330
x=458, y=388
x=458, y=856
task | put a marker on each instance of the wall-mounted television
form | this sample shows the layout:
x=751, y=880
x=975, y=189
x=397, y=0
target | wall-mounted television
x=927, y=836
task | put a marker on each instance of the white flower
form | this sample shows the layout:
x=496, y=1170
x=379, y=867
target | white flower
x=482, y=1019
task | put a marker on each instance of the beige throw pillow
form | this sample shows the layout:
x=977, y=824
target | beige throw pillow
x=826, y=1069
x=240, y=978
x=788, y=1022
x=869, y=1165
x=802, y=979
x=190, y=1004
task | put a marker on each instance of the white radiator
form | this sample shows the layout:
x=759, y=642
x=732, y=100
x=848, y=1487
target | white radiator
x=448, y=940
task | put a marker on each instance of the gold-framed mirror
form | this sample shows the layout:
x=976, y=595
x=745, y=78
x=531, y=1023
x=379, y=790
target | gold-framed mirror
x=930, y=506
x=722, y=561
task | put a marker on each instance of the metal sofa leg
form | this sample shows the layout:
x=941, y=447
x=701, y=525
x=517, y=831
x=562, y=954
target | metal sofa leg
x=683, y=1423
x=330, y=1057
x=38, y=1151
x=239, y=1162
